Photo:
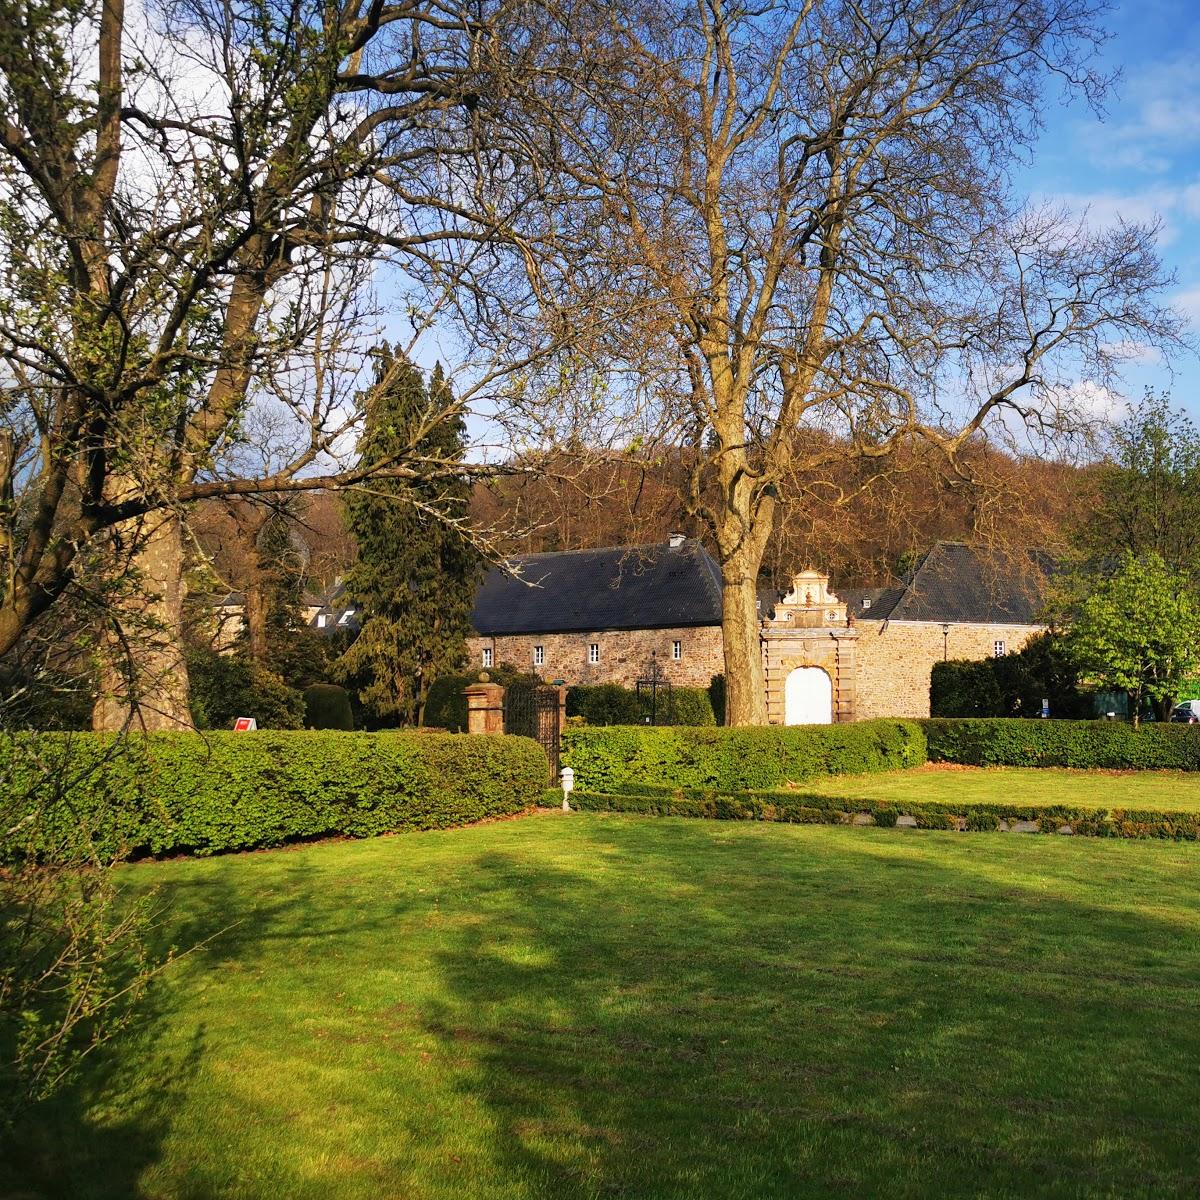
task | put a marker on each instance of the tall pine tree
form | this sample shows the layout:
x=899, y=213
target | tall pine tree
x=416, y=574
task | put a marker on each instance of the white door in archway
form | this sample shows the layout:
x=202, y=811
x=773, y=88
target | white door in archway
x=808, y=697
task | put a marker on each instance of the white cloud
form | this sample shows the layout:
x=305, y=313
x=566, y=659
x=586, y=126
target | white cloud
x=1173, y=206
x=1163, y=103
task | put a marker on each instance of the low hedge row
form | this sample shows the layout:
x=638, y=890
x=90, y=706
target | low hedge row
x=1112, y=745
x=800, y=808
x=612, y=704
x=605, y=760
x=201, y=794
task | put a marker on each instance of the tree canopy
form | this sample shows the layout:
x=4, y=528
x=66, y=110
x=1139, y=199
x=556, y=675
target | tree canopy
x=1138, y=631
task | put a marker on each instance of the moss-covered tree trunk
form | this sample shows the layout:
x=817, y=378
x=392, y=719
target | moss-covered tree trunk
x=143, y=671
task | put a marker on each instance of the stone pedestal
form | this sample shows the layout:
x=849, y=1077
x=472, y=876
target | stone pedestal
x=485, y=707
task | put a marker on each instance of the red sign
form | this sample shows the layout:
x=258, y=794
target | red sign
x=245, y=725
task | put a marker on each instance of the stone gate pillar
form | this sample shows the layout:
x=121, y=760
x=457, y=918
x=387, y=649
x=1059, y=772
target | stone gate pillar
x=485, y=706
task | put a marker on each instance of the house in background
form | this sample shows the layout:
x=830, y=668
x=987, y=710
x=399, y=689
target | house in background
x=598, y=616
x=328, y=612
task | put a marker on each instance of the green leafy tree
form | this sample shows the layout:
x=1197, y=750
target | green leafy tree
x=1138, y=631
x=417, y=568
x=1149, y=493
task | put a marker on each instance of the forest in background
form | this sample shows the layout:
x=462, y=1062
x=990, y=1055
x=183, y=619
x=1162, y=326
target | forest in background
x=865, y=527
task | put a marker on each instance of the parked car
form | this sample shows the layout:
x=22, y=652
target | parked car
x=1187, y=713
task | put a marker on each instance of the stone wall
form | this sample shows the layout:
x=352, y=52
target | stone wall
x=624, y=654
x=896, y=657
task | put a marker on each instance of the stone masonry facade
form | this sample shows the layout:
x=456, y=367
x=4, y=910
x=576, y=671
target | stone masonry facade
x=895, y=659
x=623, y=654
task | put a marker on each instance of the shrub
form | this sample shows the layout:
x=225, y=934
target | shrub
x=691, y=706
x=178, y=793
x=810, y=809
x=716, y=697
x=604, y=704
x=604, y=760
x=446, y=706
x=1013, y=685
x=227, y=686
x=612, y=704
x=327, y=706
x=1112, y=745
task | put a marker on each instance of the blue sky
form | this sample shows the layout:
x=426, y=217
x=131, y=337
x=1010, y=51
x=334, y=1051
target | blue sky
x=1141, y=160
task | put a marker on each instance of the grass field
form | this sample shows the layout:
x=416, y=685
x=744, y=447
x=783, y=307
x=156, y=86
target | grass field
x=602, y=1006
x=1177, y=791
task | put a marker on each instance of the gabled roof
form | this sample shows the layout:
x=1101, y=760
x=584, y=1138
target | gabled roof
x=963, y=584
x=871, y=604
x=621, y=587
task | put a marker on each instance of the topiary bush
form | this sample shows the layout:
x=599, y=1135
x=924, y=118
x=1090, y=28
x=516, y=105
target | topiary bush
x=327, y=706
x=1089, y=745
x=605, y=760
x=180, y=793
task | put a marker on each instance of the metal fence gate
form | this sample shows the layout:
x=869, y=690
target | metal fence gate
x=532, y=711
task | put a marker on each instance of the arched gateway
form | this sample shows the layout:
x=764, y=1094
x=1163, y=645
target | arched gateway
x=808, y=697
x=808, y=646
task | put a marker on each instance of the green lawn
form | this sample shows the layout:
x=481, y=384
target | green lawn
x=1177, y=791
x=607, y=1006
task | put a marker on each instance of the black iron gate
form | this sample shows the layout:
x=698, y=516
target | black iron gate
x=531, y=710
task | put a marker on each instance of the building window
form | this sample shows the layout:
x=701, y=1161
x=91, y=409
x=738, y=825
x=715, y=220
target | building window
x=539, y=656
x=594, y=653
x=322, y=620
x=997, y=649
x=344, y=619
x=677, y=650
x=866, y=602
x=487, y=656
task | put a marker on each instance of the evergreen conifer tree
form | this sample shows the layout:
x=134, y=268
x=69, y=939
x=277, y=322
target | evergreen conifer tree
x=416, y=574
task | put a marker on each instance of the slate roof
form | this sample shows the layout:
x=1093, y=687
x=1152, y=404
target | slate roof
x=620, y=587
x=963, y=584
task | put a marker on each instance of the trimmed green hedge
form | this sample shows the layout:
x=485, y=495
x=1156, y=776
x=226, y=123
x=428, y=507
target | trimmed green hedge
x=178, y=793
x=605, y=760
x=613, y=704
x=801, y=808
x=1091, y=745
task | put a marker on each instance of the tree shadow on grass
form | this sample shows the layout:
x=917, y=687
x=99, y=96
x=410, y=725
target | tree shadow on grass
x=708, y=1011
x=97, y=1136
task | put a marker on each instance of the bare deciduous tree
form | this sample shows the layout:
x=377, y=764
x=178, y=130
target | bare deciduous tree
x=193, y=202
x=796, y=218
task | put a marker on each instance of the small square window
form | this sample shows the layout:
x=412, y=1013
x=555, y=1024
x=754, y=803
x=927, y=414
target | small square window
x=539, y=656
x=677, y=650
x=322, y=620
x=866, y=602
x=487, y=656
x=998, y=649
x=594, y=652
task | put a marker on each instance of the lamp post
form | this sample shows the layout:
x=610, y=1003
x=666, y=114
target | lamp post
x=945, y=641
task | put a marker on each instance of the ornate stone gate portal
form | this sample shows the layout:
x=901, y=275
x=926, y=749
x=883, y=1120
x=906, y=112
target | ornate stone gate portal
x=808, y=647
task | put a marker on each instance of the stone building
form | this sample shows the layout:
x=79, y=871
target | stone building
x=599, y=616
x=961, y=601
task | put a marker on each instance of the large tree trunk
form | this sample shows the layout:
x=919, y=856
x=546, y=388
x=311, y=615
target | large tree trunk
x=143, y=675
x=745, y=689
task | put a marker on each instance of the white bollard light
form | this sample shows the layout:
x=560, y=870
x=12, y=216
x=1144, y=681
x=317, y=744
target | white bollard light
x=568, y=785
